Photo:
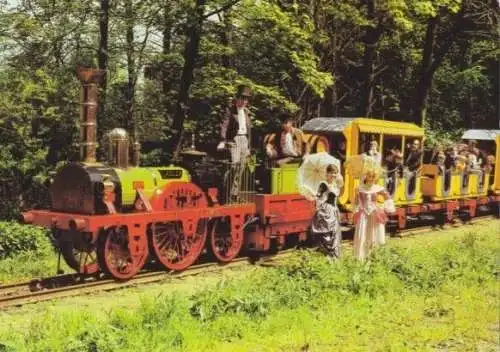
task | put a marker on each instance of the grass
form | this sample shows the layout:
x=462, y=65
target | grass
x=25, y=253
x=29, y=265
x=435, y=292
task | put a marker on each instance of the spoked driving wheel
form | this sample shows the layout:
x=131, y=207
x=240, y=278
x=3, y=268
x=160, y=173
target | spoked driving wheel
x=117, y=256
x=78, y=252
x=82, y=261
x=225, y=241
x=177, y=245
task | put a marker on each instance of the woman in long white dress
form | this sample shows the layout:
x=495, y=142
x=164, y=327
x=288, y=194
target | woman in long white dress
x=370, y=218
x=326, y=221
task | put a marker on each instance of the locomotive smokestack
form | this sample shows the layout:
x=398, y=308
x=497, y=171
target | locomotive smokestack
x=90, y=79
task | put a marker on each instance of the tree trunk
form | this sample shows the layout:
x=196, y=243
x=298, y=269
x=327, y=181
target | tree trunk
x=466, y=108
x=370, y=39
x=190, y=55
x=426, y=75
x=103, y=61
x=432, y=58
x=130, y=90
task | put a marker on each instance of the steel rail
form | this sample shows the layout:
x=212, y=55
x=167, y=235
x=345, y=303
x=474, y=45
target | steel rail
x=21, y=297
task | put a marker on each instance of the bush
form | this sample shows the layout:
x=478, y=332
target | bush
x=311, y=280
x=16, y=239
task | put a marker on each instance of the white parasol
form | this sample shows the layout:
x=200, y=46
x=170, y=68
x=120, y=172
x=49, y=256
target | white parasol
x=313, y=171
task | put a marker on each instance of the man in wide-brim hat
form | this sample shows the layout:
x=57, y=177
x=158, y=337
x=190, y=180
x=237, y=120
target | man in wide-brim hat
x=235, y=132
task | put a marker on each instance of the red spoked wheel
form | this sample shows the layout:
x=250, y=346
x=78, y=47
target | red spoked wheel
x=226, y=239
x=179, y=195
x=177, y=245
x=120, y=257
x=78, y=251
x=82, y=261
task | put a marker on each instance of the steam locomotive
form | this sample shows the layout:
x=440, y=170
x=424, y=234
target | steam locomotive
x=114, y=217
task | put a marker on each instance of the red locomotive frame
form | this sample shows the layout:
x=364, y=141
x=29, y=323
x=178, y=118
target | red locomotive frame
x=278, y=216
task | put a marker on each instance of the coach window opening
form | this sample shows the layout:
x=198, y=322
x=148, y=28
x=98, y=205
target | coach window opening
x=412, y=165
x=392, y=159
x=487, y=155
x=365, y=139
x=338, y=147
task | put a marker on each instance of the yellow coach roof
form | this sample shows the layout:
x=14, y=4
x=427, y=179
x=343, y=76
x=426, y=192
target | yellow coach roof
x=388, y=127
x=330, y=125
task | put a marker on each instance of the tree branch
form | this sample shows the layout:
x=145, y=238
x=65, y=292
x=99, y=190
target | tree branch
x=221, y=9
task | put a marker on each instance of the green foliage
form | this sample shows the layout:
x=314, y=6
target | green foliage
x=299, y=57
x=403, y=292
x=16, y=239
x=437, y=137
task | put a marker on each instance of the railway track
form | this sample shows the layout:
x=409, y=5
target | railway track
x=22, y=293
x=457, y=223
x=57, y=287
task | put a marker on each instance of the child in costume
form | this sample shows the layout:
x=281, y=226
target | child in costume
x=370, y=218
x=326, y=220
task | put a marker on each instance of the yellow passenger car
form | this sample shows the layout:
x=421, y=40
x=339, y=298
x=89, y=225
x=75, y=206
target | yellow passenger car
x=355, y=134
x=444, y=184
x=496, y=183
x=488, y=142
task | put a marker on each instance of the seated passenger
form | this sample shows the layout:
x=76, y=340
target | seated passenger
x=440, y=162
x=290, y=142
x=463, y=165
x=461, y=161
x=394, y=163
x=373, y=152
x=412, y=164
x=490, y=168
x=490, y=164
x=451, y=157
x=473, y=161
x=271, y=151
x=340, y=152
x=289, y=145
x=472, y=149
x=413, y=160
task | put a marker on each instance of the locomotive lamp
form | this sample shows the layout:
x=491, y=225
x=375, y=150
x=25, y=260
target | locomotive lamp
x=191, y=155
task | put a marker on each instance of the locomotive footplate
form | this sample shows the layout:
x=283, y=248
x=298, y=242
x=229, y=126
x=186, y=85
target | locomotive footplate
x=134, y=221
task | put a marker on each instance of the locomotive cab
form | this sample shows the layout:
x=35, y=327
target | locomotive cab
x=278, y=174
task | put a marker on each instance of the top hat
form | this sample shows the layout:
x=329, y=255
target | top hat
x=284, y=117
x=243, y=91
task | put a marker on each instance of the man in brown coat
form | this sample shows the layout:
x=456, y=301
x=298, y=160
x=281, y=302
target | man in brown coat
x=235, y=128
x=235, y=132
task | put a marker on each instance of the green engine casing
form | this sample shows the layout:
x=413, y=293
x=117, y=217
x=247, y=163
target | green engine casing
x=149, y=179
